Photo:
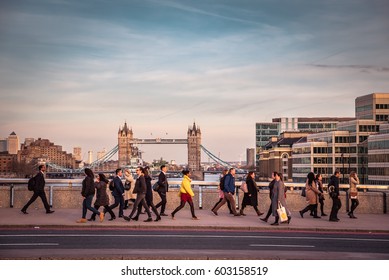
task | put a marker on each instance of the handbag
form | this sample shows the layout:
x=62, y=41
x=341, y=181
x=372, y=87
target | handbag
x=281, y=211
x=353, y=194
x=243, y=187
x=156, y=186
x=127, y=186
x=303, y=192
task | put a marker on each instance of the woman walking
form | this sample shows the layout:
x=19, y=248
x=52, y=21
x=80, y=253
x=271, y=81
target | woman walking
x=251, y=196
x=271, y=186
x=353, y=194
x=311, y=195
x=278, y=197
x=88, y=192
x=319, y=185
x=186, y=194
x=102, y=198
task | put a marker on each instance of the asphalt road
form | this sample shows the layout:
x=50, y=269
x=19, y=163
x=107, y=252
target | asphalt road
x=168, y=244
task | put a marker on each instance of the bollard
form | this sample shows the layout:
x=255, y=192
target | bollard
x=12, y=195
x=51, y=196
x=200, y=197
x=236, y=198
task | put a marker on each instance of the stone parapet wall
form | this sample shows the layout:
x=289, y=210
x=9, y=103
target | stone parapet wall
x=70, y=197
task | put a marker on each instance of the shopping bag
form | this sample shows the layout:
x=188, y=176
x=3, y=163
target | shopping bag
x=281, y=211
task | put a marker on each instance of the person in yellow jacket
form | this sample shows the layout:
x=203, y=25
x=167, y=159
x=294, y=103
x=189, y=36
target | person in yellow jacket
x=186, y=194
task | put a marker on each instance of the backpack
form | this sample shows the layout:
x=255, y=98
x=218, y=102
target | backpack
x=222, y=182
x=31, y=184
x=111, y=185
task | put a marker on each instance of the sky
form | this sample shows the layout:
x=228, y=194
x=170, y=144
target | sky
x=74, y=71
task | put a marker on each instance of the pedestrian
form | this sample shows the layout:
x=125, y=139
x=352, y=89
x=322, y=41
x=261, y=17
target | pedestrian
x=102, y=198
x=319, y=185
x=186, y=194
x=88, y=192
x=271, y=186
x=251, y=196
x=118, y=192
x=353, y=193
x=39, y=190
x=130, y=182
x=229, y=192
x=140, y=189
x=312, y=193
x=279, y=197
x=221, y=193
x=162, y=190
x=149, y=196
x=333, y=187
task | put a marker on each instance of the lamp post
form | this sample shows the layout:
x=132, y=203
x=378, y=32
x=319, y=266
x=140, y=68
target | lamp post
x=342, y=168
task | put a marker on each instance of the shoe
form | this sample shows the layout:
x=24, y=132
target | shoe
x=289, y=219
x=301, y=214
x=316, y=217
x=112, y=218
x=163, y=214
x=50, y=212
x=127, y=218
x=157, y=219
x=135, y=218
x=353, y=217
x=324, y=215
x=259, y=213
x=274, y=224
x=237, y=214
x=148, y=220
x=24, y=211
x=214, y=212
x=82, y=220
x=172, y=217
x=242, y=213
x=91, y=219
x=195, y=218
x=263, y=219
x=120, y=216
x=101, y=217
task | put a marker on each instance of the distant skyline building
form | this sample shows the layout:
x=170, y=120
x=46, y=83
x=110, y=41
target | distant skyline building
x=374, y=106
x=3, y=145
x=250, y=157
x=125, y=153
x=90, y=157
x=101, y=154
x=77, y=153
x=13, y=144
x=194, y=150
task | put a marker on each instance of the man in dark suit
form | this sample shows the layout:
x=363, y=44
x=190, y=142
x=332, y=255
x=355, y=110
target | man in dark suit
x=336, y=203
x=39, y=191
x=162, y=190
x=118, y=192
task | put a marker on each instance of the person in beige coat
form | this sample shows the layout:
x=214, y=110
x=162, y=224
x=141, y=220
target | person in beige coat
x=128, y=194
x=312, y=193
x=353, y=193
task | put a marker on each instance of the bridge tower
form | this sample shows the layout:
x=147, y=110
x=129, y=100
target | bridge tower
x=194, y=150
x=125, y=136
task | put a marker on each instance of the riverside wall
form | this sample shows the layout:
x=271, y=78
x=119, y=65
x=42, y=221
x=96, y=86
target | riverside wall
x=70, y=197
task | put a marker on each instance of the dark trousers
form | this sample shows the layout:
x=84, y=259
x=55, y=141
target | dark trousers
x=182, y=206
x=106, y=209
x=119, y=200
x=149, y=203
x=321, y=201
x=140, y=201
x=162, y=203
x=312, y=208
x=336, y=205
x=228, y=204
x=354, y=205
x=269, y=212
x=37, y=194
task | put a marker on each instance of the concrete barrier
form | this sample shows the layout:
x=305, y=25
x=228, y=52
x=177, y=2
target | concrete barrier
x=70, y=197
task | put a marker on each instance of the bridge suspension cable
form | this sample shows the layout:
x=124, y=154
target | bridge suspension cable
x=218, y=160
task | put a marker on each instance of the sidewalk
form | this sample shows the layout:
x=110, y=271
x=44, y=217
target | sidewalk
x=62, y=218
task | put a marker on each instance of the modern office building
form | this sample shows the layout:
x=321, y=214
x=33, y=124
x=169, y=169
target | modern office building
x=374, y=106
x=13, y=143
x=3, y=145
x=378, y=157
x=265, y=130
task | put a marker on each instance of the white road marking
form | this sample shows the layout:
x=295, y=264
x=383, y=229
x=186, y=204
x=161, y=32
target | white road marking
x=29, y=244
x=278, y=245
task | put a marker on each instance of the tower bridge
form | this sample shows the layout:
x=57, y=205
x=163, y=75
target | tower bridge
x=128, y=150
